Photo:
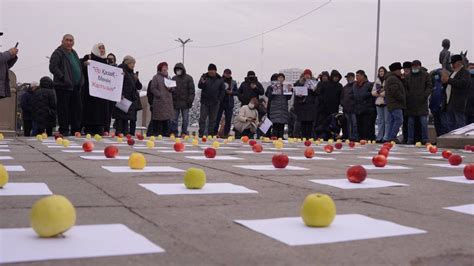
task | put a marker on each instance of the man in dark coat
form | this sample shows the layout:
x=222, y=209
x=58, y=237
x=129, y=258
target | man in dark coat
x=7, y=60
x=470, y=100
x=306, y=106
x=348, y=108
x=183, y=98
x=68, y=80
x=329, y=97
x=44, y=107
x=212, y=91
x=418, y=87
x=457, y=85
x=395, y=98
x=250, y=88
x=364, y=106
x=226, y=106
x=27, y=110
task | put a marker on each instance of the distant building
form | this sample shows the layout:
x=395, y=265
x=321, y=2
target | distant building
x=292, y=74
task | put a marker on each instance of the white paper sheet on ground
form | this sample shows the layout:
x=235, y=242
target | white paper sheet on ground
x=102, y=157
x=6, y=158
x=146, y=148
x=82, y=241
x=62, y=147
x=3, y=146
x=391, y=152
x=368, y=183
x=387, y=167
x=469, y=152
x=185, y=151
x=220, y=148
x=252, y=152
x=25, y=189
x=446, y=165
x=147, y=169
x=433, y=157
x=269, y=167
x=14, y=168
x=323, y=152
x=283, y=149
x=82, y=151
x=467, y=209
x=209, y=188
x=456, y=179
x=390, y=158
x=4, y=150
x=427, y=152
x=217, y=158
x=302, y=158
x=293, y=232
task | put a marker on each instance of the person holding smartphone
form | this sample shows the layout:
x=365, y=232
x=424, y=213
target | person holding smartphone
x=7, y=61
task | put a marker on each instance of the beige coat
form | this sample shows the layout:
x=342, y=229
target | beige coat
x=380, y=94
x=162, y=99
x=241, y=123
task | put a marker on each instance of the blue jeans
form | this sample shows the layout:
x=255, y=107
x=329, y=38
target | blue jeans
x=396, y=121
x=351, y=129
x=184, y=125
x=453, y=120
x=411, y=128
x=383, y=123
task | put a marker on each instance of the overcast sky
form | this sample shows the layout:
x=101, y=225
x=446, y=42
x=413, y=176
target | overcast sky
x=341, y=35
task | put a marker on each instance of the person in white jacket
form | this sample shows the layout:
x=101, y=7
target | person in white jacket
x=246, y=122
x=383, y=121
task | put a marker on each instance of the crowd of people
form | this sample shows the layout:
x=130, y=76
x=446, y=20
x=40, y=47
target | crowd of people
x=315, y=106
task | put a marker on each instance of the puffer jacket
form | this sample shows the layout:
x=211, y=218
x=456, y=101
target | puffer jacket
x=184, y=93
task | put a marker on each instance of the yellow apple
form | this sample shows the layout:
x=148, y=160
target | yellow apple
x=119, y=139
x=39, y=137
x=52, y=216
x=347, y=141
x=216, y=144
x=44, y=136
x=418, y=144
x=97, y=137
x=88, y=136
x=136, y=161
x=1, y=136
x=152, y=138
x=160, y=137
x=66, y=143
x=150, y=144
x=194, y=178
x=318, y=210
x=3, y=176
x=195, y=142
x=59, y=141
x=330, y=141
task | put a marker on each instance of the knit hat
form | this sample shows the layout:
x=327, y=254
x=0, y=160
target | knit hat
x=395, y=66
x=95, y=50
x=46, y=82
x=407, y=64
x=227, y=71
x=251, y=73
x=307, y=71
x=456, y=58
x=212, y=67
x=161, y=65
x=128, y=59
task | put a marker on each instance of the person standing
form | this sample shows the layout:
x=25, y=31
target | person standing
x=212, y=91
x=250, y=88
x=7, y=61
x=364, y=106
x=95, y=110
x=306, y=105
x=457, y=85
x=111, y=60
x=395, y=98
x=131, y=84
x=26, y=100
x=418, y=87
x=226, y=106
x=183, y=98
x=44, y=107
x=163, y=110
x=348, y=108
x=378, y=91
x=68, y=79
x=436, y=102
x=470, y=99
x=278, y=105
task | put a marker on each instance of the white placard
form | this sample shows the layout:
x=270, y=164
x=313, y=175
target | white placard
x=266, y=124
x=300, y=90
x=293, y=232
x=123, y=104
x=81, y=241
x=105, y=81
x=25, y=189
x=343, y=183
x=147, y=169
x=209, y=188
x=169, y=83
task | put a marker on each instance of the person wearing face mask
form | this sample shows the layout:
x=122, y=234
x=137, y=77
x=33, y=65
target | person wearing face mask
x=131, y=84
x=250, y=88
x=278, y=105
x=364, y=106
x=329, y=93
x=112, y=59
x=246, y=122
x=418, y=88
x=457, y=86
x=163, y=110
x=95, y=111
x=226, y=106
x=306, y=106
x=470, y=99
x=212, y=92
x=183, y=98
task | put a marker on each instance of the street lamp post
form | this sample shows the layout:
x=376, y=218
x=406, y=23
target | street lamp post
x=183, y=44
x=377, y=41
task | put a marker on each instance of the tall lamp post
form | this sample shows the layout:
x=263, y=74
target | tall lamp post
x=183, y=44
x=377, y=41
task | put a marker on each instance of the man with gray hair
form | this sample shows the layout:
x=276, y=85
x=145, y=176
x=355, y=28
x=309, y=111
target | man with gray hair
x=7, y=60
x=68, y=80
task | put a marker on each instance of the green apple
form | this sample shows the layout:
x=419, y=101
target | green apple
x=318, y=210
x=194, y=178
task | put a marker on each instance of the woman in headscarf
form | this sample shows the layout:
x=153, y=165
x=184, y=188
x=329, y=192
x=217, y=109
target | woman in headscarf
x=95, y=110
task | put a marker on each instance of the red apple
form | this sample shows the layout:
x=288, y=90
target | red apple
x=352, y=144
x=469, y=171
x=130, y=141
x=273, y=138
x=112, y=134
x=379, y=160
x=309, y=153
x=446, y=154
x=388, y=145
x=105, y=134
x=120, y=135
x=363, y=142
x=111, y=151
x=455, y=159
x=384, y=152
x=140, y=136
x=203, y=139
x=356, y=174
x=307, y=143
x=77, y=134
x=178, y=146
x=433, y=149
x=129, y=136
x=257, y=148
x=338, y=145
x=280, y=160
x=252, y=142
x=328, y=148
x=467, y=148
x=88, y=146
x=210, y=153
